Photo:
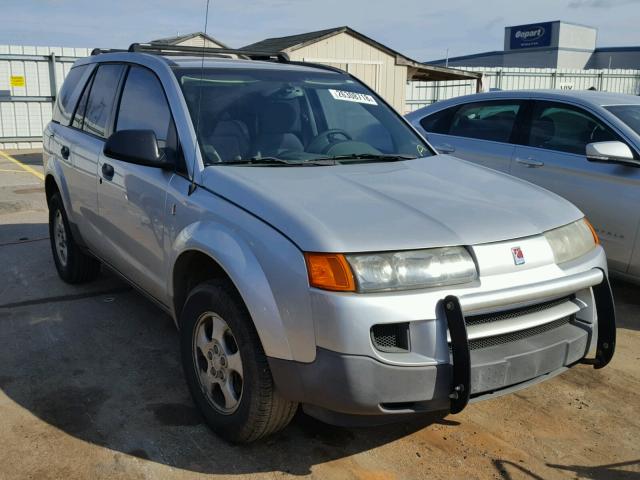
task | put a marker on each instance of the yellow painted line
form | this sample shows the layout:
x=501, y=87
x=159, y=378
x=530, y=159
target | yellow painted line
x=11, y=171
x=26, y=168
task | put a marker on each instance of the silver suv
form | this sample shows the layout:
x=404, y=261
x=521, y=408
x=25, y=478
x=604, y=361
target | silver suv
x=309, y=243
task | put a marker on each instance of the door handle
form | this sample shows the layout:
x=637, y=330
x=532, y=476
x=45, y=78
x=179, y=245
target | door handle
x=107, y=171
x=445, y=148
x=64, y=151
x=529, y=162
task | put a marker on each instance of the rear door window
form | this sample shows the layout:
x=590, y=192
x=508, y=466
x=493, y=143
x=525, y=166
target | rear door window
x=486, y=120
x=565, y=128
x=78, y=117
x=70, y=92
x=100, y=104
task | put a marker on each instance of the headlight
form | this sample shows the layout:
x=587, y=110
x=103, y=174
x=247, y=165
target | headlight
x=572, y=241
x=412, y=269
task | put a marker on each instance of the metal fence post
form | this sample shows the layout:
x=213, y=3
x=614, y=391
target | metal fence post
x=554, y=79
x=601, y=80
x=53, y=80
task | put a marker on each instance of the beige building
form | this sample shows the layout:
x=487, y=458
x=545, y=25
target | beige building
x=381, y=68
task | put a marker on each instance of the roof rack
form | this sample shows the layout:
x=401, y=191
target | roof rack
x=98, y=51
x=165, y=49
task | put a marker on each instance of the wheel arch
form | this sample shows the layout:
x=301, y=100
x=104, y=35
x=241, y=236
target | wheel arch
x=205, y=251
x=50, y=187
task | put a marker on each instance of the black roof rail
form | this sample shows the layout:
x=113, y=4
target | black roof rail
x=165, y=49
x=98, y=51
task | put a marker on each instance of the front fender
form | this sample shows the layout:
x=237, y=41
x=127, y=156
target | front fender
x=269, y=273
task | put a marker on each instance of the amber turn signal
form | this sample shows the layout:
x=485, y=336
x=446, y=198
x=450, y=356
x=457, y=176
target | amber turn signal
x=593, y=231
x=330, y=271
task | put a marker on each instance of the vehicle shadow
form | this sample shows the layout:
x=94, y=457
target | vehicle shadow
x=627, y=303
x=506, y=469
x=611, y=471
x=104, y=367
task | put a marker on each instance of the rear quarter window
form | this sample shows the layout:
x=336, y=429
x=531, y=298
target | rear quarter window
x=70, y=92
x=439, y=122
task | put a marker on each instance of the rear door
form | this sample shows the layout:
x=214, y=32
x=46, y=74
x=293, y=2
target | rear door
x=86, y=137
x=131, y=197
x=58, y=136
x=554, y=157
x=480, y=132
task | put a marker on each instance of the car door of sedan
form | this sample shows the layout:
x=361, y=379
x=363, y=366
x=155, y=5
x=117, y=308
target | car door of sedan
x=553, y=156
x=480, y=132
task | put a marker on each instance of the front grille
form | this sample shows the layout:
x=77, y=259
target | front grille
x=516, y=312
x=519, y=335
x=391, y=337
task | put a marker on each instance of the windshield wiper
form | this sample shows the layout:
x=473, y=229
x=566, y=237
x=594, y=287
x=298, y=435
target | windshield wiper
x=275, y=162
x=378, y=157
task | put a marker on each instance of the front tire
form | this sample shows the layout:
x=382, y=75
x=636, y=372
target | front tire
x=225, y=366
x=73, y=265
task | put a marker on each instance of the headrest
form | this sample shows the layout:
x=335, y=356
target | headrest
x=542, y=130
x=278, y=117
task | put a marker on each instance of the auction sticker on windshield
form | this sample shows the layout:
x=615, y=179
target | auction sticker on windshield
x=353, y=97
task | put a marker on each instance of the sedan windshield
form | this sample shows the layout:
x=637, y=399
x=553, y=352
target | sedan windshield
x=292, y=117
x=629, y=114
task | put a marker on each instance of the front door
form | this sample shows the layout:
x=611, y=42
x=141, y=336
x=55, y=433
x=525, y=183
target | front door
x=554, y=158
x=131, y=198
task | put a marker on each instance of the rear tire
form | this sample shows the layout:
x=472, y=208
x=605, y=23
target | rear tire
x=225, y=366
x=73, y=265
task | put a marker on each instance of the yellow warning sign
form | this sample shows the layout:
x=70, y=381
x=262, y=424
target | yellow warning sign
x=17, y=81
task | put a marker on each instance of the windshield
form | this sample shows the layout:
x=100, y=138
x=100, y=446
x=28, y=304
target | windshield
x=262, y=115
x=629, y=114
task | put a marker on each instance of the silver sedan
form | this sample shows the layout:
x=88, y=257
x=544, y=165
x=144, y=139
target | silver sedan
x=582, y=145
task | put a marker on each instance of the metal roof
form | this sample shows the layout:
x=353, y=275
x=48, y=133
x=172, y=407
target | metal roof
x=417, y=70
x=183, y=38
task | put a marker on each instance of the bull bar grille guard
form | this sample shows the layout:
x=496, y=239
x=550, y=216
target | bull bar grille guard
x=461, y=356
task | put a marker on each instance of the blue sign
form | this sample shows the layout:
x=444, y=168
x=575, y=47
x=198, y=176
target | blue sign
x=530, y=36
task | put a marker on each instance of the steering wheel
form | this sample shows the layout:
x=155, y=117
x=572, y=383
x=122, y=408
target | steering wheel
x=323, y=141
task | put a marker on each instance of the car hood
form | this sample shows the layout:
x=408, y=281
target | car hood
x=427, y=202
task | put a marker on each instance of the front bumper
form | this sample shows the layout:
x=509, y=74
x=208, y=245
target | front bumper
x=444, y=376
x=471, y=376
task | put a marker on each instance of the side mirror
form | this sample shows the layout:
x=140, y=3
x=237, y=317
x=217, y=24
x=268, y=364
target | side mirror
x=136, y=146
x=614, y=152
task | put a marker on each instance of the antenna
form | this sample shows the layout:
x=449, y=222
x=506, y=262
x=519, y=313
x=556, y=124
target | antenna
x=192, y=186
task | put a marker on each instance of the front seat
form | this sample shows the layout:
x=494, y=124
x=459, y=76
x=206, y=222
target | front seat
x=542, y=130
x=223, y=140
x=277, y=121
x=230, y=139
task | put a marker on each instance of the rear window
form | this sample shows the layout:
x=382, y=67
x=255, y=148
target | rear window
x=70, y=92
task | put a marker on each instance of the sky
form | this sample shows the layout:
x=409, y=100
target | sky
x=421, y=29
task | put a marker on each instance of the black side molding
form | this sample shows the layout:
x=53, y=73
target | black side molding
x=606, y=311
x=461, y=377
